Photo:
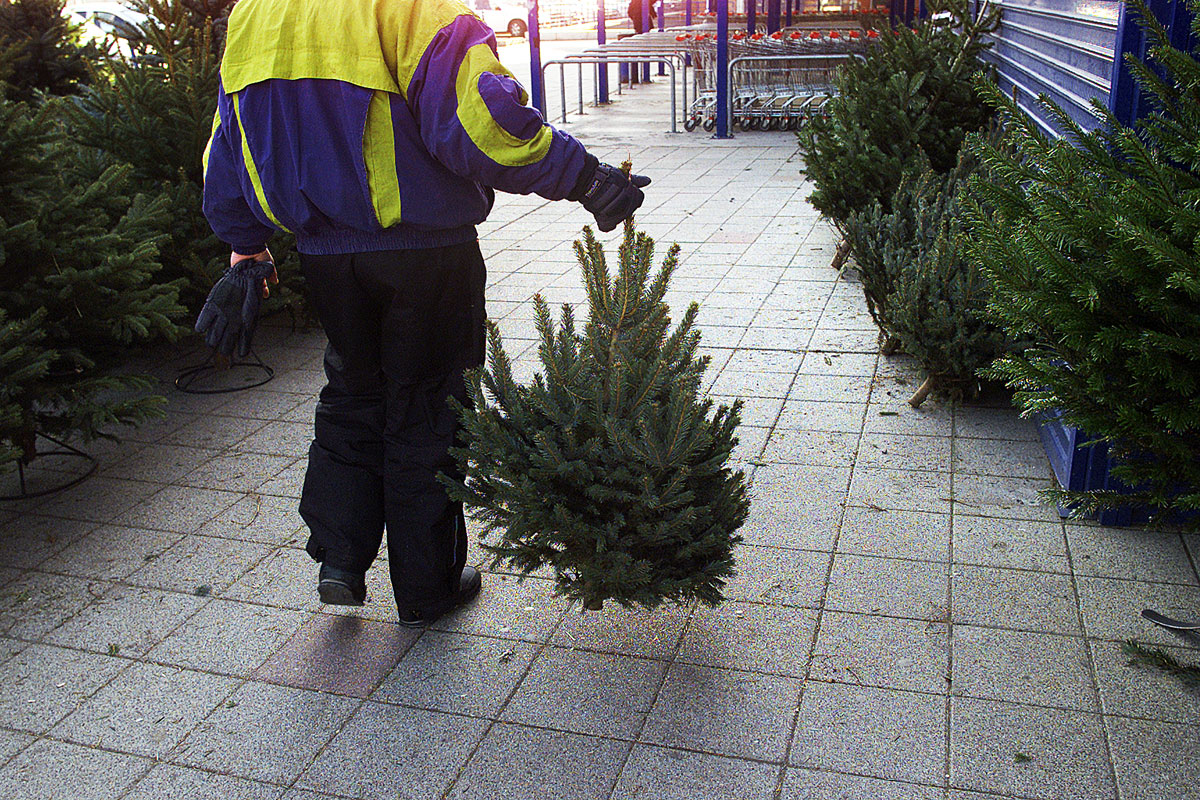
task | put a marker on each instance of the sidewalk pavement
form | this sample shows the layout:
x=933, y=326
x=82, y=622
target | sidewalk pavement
x=908, y=622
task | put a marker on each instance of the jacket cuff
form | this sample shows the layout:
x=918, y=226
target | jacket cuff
x=590, y=163
x=248, y=250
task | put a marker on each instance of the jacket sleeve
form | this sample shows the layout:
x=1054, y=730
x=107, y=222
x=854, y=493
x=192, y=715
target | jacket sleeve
x=473, y=118
x=225, y=205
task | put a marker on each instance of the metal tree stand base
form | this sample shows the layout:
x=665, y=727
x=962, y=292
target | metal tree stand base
x=1175, y=625
x=192, y=379
x=64, y=449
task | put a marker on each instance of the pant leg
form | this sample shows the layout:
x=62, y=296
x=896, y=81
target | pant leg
x=342, y=501
x=431, y=330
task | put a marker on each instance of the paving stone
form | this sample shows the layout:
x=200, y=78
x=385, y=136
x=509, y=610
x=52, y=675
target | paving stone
x=760, y=361
x=821, y=448
x=881, y=651
x=895, y=534
x=98, y=499
x=835, y=363
x=457, y=673
x=390, y=753
x=750, y=636
x=518, y=763
x=752, y=384
x=592, y=693
x=831, y=388
x=893, y=451
x=1132, y=689
x=286, y=578
x=751, y=441
x=49, y=770
x=975, y=422
x=756, y=411
x=868, y=585
x=243, y=736
x=1028, y=751
x=31, y=539
x=1018, y=544
x=259, y=518
x=1004, y=457
x=110, y=552
x=795, y=506
x=509, y=608
x=724, y=711
x=38, y=602
x=902, y=490
x=196, y=561
x=212, y=431
x=1006, y=598
x=653, y=633
x=146, y=710
x=126, y=618
x=342, y=654
x=1023, y=667
x=280, y=438
x=1112, y=609
x=778, y=576
x=180, y=509
x=160, y=463
x=45, y=684
x=991, y=496
x=1129, y=553
x=657, y=773
x=239, y=472
x=170, y=781
x=11, y=743
x=891, y=414
x=229, y=638
x=877, y=733
x=1155, y=760
x=807, y=784
x=813, y=415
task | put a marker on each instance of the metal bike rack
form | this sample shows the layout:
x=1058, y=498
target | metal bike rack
x=617, y=56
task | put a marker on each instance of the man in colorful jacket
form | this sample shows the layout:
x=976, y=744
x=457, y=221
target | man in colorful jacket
x=375, y=131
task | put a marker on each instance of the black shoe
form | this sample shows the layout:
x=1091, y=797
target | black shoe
x=339, y=587
x=469, y=584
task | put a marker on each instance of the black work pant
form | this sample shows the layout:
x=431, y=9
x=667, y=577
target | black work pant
x=402, y=327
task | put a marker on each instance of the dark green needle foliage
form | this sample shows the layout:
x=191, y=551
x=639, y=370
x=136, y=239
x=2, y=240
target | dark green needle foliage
x=41, y=50
x=1092, y=244
x=908, y=105
x=608, y=467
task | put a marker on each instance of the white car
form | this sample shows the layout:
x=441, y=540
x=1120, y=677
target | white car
x=107, y=21
x=502, y=17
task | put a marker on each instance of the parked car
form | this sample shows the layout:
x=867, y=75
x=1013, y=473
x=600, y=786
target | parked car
x=502, y=17
x=110, y=23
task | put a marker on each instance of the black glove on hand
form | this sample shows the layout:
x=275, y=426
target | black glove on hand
x=611, y=197
x=230, y=313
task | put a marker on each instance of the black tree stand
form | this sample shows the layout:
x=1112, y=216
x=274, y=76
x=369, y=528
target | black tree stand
x=64, y=450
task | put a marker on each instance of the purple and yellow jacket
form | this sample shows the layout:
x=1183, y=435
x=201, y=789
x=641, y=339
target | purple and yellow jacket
x=363, y=125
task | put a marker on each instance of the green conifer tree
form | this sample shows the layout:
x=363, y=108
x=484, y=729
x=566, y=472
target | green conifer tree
x=608, y=467
x=1092, y=243
x=42, y=50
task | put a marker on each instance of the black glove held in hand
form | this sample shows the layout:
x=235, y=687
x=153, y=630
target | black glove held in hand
x=230, y=313
x=611, y=197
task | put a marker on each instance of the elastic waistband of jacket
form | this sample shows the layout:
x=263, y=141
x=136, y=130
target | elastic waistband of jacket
x=400, y=237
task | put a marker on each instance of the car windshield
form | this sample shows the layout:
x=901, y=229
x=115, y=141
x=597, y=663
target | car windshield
x=111, y=23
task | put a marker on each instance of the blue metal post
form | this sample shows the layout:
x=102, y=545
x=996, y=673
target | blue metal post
x=788, y=16
x=772, y=15
x=1124, y=98
x=662, y=13
x=751, y=11
x=601, y=38
x=687, y=13
x=645, y=27
x=538, y=89
x=723, y=69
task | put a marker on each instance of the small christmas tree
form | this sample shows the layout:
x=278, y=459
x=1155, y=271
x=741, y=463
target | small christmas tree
x=42, y=50
x=1092, y=243
x=608, y=467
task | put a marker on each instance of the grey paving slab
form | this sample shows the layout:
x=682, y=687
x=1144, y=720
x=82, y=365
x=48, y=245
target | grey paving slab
x=878, y=733
x=778, y=576
x=1027, y=750
x=288, y=482
x=1112, y=608
x=756, y=411
x=509, y=608
x=628, y=631
x=1017, y=544
x=242, y=737
x=1003, y=457
x=894, y=587
x=160, y=463
x=900, y=489
x=168, y=781
x=37, y=602
x=211, y=431
x=795, y=506
x=821, y=448
x=179, y=509
x=514, y=762
x=12, y=742
x=1155, y=760
x=753, y=384
x=278, y=437
x=146, y=710
x=286, y=577
x=659, y=773
x=98, y=499
x=1130, y=553
x=30, y=539
x=897, y=451
x=459, y=673
x=1131, y=689
x=976, y=422
x=740, y=714
x=50, y=770
x=808, y=784
x=992, y=496
x=126, y=620
x=229, y=638
x=891, y=414
x=817, y=362
x=1023, y=667
x=815, y=415
x=750, y=636
x=110, y=552
x=830, y=388
x=601, y=694
x=1034, y=601
x=881, y=651
x=386, y=752
x=895, y=534
x=259, y=518
x=238, y=472
x=196, y=561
